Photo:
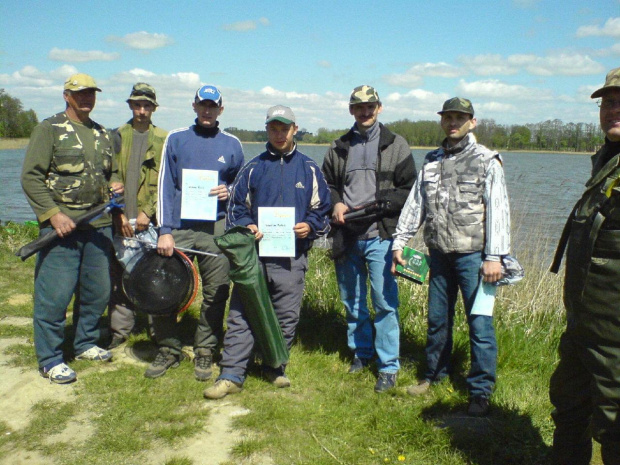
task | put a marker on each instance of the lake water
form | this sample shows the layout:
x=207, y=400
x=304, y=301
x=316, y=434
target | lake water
x=542, y=187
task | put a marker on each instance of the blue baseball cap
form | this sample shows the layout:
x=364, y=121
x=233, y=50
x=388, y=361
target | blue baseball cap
x=209, y=93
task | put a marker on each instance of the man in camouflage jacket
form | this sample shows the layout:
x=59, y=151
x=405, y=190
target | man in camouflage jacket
x=585, y=387
x=461, y=197
x=138, y=146
x=66, y=172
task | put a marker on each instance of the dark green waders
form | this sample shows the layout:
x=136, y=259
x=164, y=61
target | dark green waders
x=239, y=246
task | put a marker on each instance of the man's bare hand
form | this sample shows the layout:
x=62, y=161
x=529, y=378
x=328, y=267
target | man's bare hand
x=491, y=271
x=338, y=214
x=397, y=259
x=221, y=191
x=165, y=245
x=142, y=222
x=122, y=225
x=302, y=230
x=257, y=234
x=62, y=224
x=117, y=187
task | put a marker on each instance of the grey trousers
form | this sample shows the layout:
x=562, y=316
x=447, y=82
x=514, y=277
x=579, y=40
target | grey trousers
x=215, y=290
x=285, y=281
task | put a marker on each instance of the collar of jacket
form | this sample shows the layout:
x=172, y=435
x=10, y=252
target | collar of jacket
x=604, y=161
x=460, y=146
x=273, y=152
x=206, y=132
x=386, y=137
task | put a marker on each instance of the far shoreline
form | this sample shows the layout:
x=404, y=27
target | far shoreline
x=15, y=144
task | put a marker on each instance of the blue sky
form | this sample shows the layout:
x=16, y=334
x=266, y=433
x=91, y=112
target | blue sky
x=519, y=61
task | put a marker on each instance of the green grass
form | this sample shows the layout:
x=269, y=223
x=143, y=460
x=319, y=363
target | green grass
x=327, y=416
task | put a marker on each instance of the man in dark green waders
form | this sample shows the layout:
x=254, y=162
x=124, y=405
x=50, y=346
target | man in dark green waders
x=585, y=388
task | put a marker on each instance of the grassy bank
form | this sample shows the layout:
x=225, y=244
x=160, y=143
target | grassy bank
x=327, y=416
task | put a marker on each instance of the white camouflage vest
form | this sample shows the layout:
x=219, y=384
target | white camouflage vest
x=453, y=182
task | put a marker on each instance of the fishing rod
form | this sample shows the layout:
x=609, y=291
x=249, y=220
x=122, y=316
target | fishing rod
x=182, y=249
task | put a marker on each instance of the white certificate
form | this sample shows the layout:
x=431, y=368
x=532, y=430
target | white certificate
x=196, y=203
x=276, y=224
x=485, y=299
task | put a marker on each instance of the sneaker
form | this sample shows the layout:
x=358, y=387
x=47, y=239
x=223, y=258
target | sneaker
x=386, y=381
x=164, y=360
x=276, y=377
x=222, y=388
x=421, y=388
x=358, y=365
x=95, y=353
x=59, y=374
x=116, y=341
x=202, y=364
x=478, y=407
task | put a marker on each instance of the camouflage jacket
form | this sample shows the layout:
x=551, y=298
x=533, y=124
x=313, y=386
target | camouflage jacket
x=60, y=173
x=453, y=184
x=149, y=172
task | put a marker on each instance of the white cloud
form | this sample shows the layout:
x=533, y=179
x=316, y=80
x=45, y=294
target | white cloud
x=30, y=76
x=413, y=77
x=610, y=29
x=324, y=64
x=494, y=89
x=488, y=65
x=79, y=56
x=143, y=40
x=244, y=26
x=554, y=64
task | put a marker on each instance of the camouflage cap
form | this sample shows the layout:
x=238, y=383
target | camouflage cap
x=77, y=82
x=612, y=81
x=364, y=94
x=143, y=91
x=462, y=105
x=280, y=113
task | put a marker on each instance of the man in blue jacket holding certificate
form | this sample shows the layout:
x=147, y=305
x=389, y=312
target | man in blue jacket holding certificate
x=287, y=183
x=199, y=163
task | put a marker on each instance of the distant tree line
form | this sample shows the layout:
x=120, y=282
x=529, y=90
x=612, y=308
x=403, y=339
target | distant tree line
x=15, y=122
x=552, y=135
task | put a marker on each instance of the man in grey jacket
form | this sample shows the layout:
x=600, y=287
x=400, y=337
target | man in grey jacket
x=369, y=169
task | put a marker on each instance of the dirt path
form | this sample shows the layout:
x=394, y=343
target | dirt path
x=21, y=388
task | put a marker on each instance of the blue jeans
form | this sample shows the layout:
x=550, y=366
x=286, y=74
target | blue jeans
x=449, y=273
x=372, y=257
x=79, y=263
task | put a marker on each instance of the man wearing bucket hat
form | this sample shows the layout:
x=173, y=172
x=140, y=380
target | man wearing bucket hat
x=138, y=146
x=66, y=172
x=461, y=198
x=367, y=165
x=585, y=387
x=202, y=151
x=280, y=177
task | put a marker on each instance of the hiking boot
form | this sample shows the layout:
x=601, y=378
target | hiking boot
x=386, y=381
x=202, y=364
x=116, y=341
x=478, y=407
x=95, y=353
x=358, y=365
x=421, y=388
x=59, y=374
x=276, y=377
x=222, y=388
x=164, y=360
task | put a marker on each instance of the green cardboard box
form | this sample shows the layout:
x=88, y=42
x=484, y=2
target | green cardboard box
x=416, y=268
